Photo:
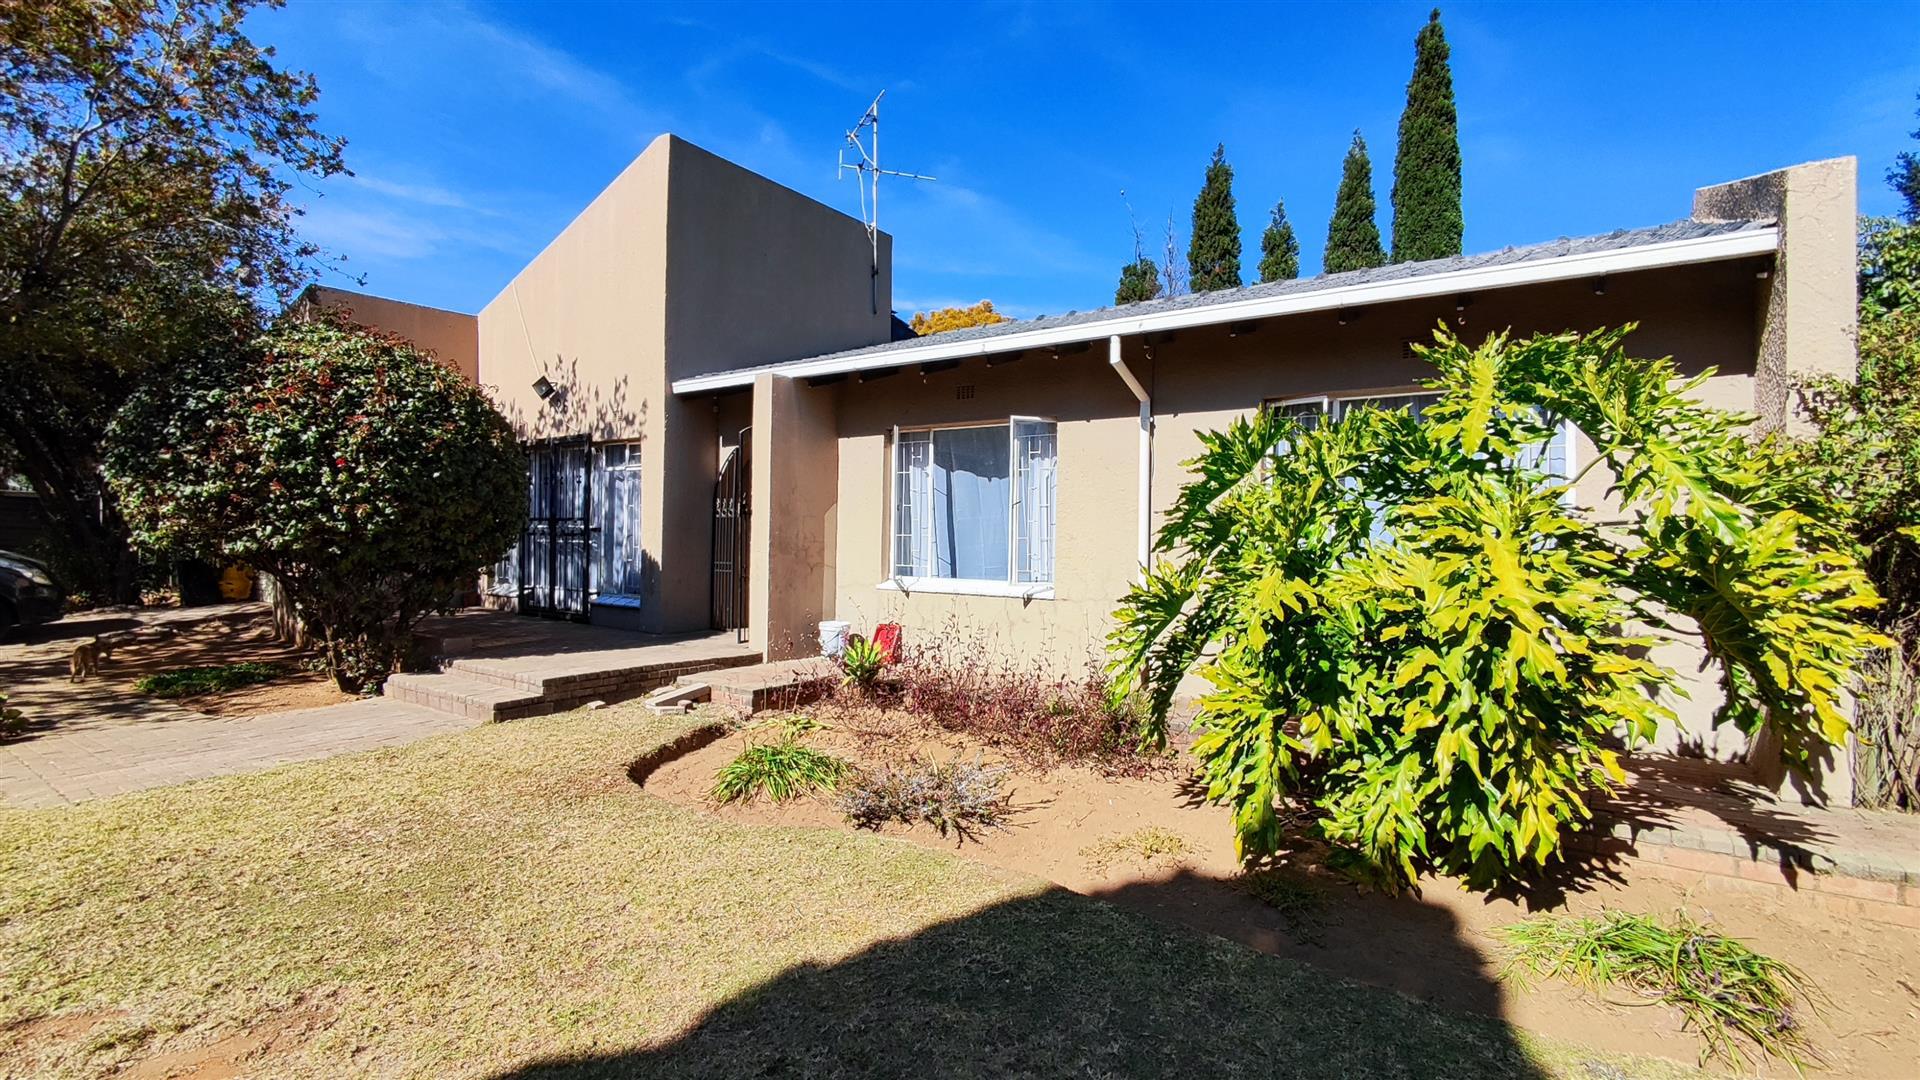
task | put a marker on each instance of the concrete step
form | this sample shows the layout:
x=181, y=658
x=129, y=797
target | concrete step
x=782, y=684
x=677, y=698
x=463, y=695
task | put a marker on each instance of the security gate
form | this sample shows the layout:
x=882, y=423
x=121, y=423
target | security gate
x=557, y=548
x=732, y=507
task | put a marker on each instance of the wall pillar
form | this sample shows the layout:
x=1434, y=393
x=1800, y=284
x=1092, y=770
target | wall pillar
x=1811, y=329
x=1811, y=315
x=796, y=494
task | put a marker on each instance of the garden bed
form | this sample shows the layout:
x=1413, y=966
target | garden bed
x=1152, y=843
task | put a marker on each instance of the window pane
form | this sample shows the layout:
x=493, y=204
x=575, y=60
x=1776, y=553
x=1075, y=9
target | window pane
x=1035, y=455
x=912, y=499
x=1412, y=403
x=971, y=498
x=616, y=511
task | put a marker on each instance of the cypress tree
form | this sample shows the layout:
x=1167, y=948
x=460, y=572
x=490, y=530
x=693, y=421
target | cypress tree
x=1353, y=240
x=1427, y=220
x=1279, y=251
x=1905, y=179
x=1139, y=280
x=1213, y=249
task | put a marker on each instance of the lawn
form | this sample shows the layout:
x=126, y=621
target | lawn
x=505, y=902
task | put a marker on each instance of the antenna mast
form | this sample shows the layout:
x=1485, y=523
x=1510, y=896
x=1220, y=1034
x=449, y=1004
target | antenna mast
x=865, y=140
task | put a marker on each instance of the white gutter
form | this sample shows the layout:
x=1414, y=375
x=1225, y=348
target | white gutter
x=1699, y=249
x=1146, y=449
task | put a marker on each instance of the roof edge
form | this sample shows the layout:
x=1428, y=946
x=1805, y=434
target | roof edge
x=1689, y=251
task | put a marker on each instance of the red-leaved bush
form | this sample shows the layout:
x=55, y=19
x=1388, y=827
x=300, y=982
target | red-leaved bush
x=952, y=681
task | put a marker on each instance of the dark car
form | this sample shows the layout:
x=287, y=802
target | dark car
x=29, y=595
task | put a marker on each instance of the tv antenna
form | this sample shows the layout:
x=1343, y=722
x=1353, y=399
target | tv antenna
x=865, y=140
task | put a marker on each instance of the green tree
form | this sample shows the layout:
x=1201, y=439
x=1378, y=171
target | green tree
x=1904, y=178
x=1139, y=280
x=1407, y=629
x=1279, y=251
x=148, y=150
x=1427, y=220
x=1866, y=449
x=1353, y=238
x=367, y=478
x=1213, y=248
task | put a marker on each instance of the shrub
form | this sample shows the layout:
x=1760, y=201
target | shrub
x=1866, y=455
x=1726, y=991
x=369, y=480
x=192, y=682
x=861, y=663
x=1406, y=625
x=782, y=770
x=12, y=720
x=957, y=683
x=953, y=796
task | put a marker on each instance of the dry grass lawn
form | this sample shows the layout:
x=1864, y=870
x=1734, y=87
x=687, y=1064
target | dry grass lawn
x=505, y=902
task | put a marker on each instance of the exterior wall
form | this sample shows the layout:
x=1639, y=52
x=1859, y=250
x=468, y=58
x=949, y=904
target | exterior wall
x=452, y=337
x=684, y=264
x=795, y=468
x=1704, y=316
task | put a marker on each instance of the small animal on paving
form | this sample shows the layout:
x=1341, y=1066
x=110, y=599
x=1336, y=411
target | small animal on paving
x=86, y=660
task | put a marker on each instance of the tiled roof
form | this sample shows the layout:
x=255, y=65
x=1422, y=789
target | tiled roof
x=1618, y=240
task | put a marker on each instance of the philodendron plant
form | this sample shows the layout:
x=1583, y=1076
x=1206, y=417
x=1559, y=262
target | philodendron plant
x=1408, y=626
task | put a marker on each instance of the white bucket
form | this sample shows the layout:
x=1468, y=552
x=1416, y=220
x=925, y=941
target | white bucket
x=833, y=637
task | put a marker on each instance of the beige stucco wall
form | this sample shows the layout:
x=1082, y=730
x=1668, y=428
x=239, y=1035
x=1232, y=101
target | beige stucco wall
x=1704, y=316
x=684, y=264
x=795, y=492
x=451, y=336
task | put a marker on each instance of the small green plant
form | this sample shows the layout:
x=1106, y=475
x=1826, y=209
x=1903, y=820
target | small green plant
x=799, y=725
x=12, y=720
x=1302, y=906
x=192, y=682
x=955, y=797
x=781, y=770
x=861, y=663
x=1726, y=991
x=1140, y=846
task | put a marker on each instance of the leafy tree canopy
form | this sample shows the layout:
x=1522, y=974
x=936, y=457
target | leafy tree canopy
x=955, y=318
x=1408, y=629
x=1139, y=280
x=1279, y=251
x=1353, y=237
x=1213, y=248
x=369, y=479
x=1904, y=177
x=1427, y=219
x=147, y=153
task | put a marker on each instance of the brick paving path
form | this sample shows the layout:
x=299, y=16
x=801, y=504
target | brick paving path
x=69, y=766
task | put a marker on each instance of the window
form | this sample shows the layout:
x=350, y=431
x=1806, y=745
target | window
x=616, y=514
x=976, y=504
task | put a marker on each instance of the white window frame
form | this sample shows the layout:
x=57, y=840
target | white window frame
x=599, y=474
x=1332, y=405
x=1021, y=590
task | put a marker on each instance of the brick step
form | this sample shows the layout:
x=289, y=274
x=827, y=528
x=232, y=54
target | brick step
x=464, y=695
x=781, y=684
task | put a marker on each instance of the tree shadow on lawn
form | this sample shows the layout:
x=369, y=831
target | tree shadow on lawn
x=1056, y=984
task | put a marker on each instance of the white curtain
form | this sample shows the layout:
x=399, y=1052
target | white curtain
x=975, y=503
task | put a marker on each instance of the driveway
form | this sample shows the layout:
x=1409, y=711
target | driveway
x=98, y=738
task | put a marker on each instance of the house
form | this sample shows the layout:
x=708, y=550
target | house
x=728, y=432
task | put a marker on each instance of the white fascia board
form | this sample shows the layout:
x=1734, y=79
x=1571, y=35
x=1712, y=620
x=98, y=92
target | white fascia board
x=1699, y=249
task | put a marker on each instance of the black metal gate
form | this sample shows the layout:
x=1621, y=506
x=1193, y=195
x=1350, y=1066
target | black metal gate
x=557, y=547
x=732, y=507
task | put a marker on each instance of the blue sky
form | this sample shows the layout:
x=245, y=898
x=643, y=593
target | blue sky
x=477, y=130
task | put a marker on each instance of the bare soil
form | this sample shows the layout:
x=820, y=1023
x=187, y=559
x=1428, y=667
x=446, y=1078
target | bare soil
x=1441, y=946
